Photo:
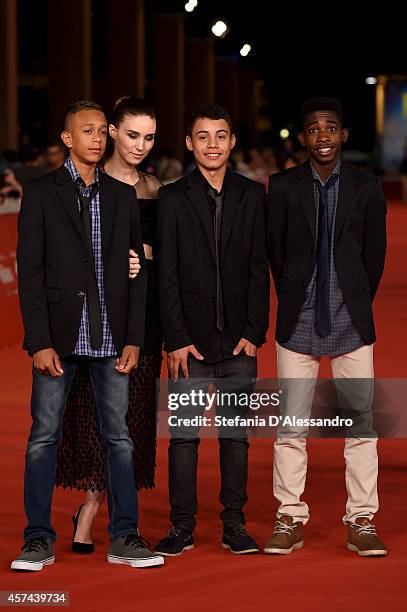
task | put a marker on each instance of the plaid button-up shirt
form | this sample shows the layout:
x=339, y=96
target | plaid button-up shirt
x=83, y=345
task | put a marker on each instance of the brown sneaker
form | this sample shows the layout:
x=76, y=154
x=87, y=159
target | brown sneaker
x=363, y=539
x=286, y=537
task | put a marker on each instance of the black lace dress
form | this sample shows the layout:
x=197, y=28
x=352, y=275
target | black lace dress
x=80, y=458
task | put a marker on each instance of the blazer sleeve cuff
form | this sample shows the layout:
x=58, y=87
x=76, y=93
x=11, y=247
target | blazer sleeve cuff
x=251, y=336
x=38, y=346
x=178, y=343
x=134, y=340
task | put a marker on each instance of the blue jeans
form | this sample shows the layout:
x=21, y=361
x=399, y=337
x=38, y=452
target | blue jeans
x=47, y=410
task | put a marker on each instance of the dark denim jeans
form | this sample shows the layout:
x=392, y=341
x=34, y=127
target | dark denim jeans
x=237, y=374
x=47, y=409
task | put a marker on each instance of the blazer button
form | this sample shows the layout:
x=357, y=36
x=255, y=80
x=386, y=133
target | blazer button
x=84, y=260
x=81, y=294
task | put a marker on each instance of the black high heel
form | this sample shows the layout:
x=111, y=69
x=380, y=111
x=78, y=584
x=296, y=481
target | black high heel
x=80, y=547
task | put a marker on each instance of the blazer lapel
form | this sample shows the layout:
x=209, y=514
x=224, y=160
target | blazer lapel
x=347, y=187
x=108, y=203
x=197, y=197
x=67, y=194
x=233, y=196
x=306, y=193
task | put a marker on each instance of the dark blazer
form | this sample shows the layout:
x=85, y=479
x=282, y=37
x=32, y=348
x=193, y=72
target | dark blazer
x=187, y=262
x=53, y=267
x=359, y=243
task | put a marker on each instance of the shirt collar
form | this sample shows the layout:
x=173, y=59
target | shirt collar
x=336, y=170
x=75, y=176
x=208, y=187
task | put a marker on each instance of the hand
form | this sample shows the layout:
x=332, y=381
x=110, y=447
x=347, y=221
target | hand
x=180, y=358
x=47, y=362
x=134, y=264
x=128, y=359
x=249, y=348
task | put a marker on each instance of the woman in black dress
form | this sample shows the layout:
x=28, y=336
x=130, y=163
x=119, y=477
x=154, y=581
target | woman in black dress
x=80, y=459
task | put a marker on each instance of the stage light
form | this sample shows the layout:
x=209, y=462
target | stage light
x=284, y=134
x=191, y=5
x=245, y=50
x=371, y=80
x=219, y=29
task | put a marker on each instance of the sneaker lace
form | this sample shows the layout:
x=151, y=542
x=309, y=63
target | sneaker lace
x=35, y=544
x=137, y=541
x=281, y=527
x=362, y=530
x=175, y=531
x=238, y=530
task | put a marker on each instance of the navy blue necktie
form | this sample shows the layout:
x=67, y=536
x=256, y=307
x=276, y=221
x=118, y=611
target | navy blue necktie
x=92, y=290
x=322, y=315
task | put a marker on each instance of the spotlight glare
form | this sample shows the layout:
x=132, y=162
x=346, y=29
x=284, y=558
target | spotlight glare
x=191, y=5
x=245, y=50
x=371, y=80
x=284, y=134
x=219, y=29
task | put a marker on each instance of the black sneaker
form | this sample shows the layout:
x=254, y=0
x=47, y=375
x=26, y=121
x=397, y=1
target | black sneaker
x=238, y=541
x=175, y=542
x=133, y=550
x=37, y=552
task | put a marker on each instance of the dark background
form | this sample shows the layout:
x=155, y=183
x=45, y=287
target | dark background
x=299, y=51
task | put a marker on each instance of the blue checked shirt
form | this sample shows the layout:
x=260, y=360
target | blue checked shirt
x=344, y=337
x=83, y=345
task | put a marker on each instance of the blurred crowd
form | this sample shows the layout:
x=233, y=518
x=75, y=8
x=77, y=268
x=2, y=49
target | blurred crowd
x=260, y=163
x=16, y=168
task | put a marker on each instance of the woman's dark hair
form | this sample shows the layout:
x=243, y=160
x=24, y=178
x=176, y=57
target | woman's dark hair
x=129, y=105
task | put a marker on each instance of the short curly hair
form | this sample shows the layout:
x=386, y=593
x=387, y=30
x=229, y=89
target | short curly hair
x=209, y=111
x=321, y=104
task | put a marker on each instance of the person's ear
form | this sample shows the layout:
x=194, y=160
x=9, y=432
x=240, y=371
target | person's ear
x=66, y=139
x=188, y=142
x=345, y=134
x=301, y=139
x=112, y=131
x=232, y=141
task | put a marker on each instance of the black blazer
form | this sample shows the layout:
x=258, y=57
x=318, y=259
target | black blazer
x=187, y=262
x=359, y=243
x=53, y=267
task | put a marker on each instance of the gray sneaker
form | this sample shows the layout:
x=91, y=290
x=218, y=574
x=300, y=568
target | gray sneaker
x=133, y=550
x=37, y=552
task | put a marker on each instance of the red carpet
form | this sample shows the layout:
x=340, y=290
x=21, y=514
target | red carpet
x=322, y=576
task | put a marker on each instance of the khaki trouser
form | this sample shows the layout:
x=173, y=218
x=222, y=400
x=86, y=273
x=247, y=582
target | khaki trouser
x=290, y=454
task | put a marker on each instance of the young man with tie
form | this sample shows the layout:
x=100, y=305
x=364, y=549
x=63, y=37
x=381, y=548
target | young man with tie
x=76, y=226
x=326, y=236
